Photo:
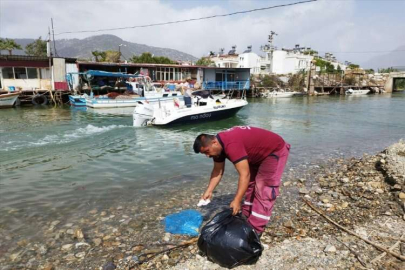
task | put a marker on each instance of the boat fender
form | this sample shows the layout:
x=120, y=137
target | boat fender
x=39, y=100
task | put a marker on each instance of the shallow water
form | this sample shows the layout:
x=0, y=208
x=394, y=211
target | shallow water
x=61, y=162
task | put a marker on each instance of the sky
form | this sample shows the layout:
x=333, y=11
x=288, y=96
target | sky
x=351, y=29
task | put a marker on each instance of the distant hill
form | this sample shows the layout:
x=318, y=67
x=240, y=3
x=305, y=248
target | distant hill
x=82, y=48
x=392, y=59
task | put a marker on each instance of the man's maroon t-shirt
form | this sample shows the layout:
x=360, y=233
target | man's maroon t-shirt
x=244, y=142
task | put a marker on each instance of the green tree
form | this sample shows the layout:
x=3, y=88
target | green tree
x=9, y=45
x=297, y=81
x=310, y=52
x=149, y=58
x=204, y=61
x=325, y=66
x=388, y=70
x=100, y=54
x=36, y=48
x=271, y=81
x=112, y=56
x=369, y=71
x=354, y=66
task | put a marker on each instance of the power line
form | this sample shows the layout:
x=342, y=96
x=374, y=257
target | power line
x=366, y=51
x=188, y=20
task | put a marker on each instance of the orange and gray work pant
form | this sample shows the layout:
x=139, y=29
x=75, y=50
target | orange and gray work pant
x=263, y=188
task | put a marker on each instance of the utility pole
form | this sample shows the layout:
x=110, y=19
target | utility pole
x=49, y=54
x=272, y=33
x=53, y=34
x=269, y=49
x=119, y=51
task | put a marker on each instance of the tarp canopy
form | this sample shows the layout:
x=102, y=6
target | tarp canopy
x=95, y=73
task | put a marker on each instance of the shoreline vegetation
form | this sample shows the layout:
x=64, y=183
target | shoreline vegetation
x=366, y=196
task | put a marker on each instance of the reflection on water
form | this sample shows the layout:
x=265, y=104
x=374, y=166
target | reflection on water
x=65, y=158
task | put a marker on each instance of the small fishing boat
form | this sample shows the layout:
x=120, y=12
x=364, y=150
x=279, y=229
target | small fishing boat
x=281, y=94
x=78, y=100
x=358, y=92
x=137, y=88
x=8, y=100
x=199, y=108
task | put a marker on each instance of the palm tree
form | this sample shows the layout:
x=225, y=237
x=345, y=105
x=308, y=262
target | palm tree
x=98, y=54
x=9, y=45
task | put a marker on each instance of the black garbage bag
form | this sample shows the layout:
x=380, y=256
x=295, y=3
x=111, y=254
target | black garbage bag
x=230, y=240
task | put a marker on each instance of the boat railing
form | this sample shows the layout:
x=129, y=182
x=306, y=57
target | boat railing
x=226, y=85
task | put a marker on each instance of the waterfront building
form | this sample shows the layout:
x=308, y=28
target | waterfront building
x=31, y=73
x=21, y=72
x=220, y=78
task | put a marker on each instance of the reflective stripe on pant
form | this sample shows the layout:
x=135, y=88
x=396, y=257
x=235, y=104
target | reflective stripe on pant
x=263, y=189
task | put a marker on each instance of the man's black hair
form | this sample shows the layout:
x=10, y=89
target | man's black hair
x=202, y=140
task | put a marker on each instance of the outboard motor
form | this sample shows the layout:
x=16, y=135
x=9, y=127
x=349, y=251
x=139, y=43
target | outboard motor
x=143, y=113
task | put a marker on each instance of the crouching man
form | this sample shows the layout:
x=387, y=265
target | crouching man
x=259, y=156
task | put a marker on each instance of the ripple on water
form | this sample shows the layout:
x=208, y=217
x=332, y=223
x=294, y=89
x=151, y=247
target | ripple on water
x=60, y=163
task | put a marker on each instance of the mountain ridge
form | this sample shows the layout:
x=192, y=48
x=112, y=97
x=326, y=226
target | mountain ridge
x=392, y=59
x=82, y=48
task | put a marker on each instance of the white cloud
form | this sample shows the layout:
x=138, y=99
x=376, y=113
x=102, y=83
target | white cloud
x=324, y=25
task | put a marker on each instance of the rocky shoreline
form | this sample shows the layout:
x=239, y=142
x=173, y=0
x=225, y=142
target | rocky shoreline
x=365, y=195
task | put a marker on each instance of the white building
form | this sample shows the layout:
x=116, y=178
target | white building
x=221, y=60
x=280, y=62
x=290, y=62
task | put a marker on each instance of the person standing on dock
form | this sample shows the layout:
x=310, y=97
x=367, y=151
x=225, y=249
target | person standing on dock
x=259, y=156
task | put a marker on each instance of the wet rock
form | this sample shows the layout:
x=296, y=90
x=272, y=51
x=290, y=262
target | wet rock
x=48, y=266
x=345, y=180
x=67, y=247
x=137, y=248
x=15, y=257
x=109, y=266
x=80, y=255
x=22, y=243
x=303, y=191
x=107, y=237
x=97, y=242
x=81, y=244
x=78, y=234
x=42, y=250
x=166, y=238
x=92, y=212
x=396, y=187
x=69, y=225
x=70, y=231
x=344, y=204
x=318, y=191
x=402, y=248
x=70, y=257
x=330, y=249
x=289, y=224
x=31, y=263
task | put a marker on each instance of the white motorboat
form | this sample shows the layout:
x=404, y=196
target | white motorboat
x=281, y=94
x=8, y=100
x=128, y=100
x=199, y=108
x=353, y=92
